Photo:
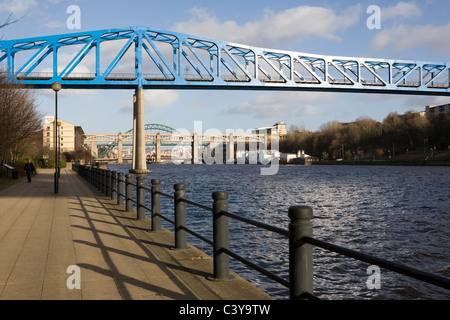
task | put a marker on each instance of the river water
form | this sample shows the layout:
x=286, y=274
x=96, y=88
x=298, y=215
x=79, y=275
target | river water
x=397, y=213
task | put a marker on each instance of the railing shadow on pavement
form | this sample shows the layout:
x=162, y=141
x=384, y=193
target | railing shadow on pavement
x=299, y=233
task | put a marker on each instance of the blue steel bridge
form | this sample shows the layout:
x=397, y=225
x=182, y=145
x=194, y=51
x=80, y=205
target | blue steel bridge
x=141, y=58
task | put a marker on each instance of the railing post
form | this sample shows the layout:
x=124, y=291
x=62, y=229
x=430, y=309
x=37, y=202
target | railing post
x=100, y=179
x=89, y=174
x=180, y=216
x=108, y=183
x=220, y=236
x=120, y=189
x=113, y=185
x=140, y=198
x=97, y=178
x=300, y=254
x=103, y=181
x=156, y=205
x=100, y=176
x=128, y=193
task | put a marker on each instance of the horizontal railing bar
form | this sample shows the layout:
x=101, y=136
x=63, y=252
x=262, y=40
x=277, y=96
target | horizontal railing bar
x=165, y=218
x=258, y=268
x=393, y=266
x=195, y=234
x=309, y=296
x=165, y=194
x=147, y=208
x=257, y=224
x=197, y=205
x=145, y=188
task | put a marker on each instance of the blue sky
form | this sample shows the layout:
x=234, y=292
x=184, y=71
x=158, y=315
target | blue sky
x=416, y=30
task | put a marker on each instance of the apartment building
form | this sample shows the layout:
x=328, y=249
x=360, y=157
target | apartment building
x=70, y=137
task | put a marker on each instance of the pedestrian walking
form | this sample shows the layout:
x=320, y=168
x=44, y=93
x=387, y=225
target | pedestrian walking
x=29, y=170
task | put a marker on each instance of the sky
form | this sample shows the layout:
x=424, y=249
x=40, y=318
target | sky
x=412, y=30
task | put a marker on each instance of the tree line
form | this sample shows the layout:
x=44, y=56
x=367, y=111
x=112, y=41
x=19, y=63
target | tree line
x=20, y=121
x=366, y=138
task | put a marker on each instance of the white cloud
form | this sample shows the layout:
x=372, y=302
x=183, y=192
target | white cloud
x=287, y=25
x=310, y=111
x=282, y=104
x=160, y=98
x=400, y=10
x=435, y=39
x=152, y=99
x=400, y=37
x=17, y=7
x=53, y=24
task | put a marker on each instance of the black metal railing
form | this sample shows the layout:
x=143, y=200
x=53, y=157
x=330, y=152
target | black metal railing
x=299, y=234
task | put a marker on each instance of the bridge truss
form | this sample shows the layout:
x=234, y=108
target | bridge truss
x=140, y=57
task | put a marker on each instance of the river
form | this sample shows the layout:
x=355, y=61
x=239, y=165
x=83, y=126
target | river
x=399, y=213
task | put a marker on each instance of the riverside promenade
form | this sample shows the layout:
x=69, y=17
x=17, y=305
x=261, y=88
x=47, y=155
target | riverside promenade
x=43, y=234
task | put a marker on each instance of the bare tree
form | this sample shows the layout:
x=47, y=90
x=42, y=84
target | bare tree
x=19, y=119
x=10, y=20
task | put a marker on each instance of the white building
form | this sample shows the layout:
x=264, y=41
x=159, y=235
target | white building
x=70, y=137
x=278, y=128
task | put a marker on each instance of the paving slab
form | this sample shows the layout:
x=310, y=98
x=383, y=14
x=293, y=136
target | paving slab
x=44, y=236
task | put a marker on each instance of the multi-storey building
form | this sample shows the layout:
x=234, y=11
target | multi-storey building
x=70, y=137
x=436, y=111
x=279, y=127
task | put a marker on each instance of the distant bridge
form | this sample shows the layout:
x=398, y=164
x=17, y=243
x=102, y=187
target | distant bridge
x=102, y=144
x=127, y=139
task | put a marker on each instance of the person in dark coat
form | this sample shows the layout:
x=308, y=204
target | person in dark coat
x=29, y=169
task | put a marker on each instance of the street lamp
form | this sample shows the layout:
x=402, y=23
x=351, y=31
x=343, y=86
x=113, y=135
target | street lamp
x=56, y=86
x=59, y=123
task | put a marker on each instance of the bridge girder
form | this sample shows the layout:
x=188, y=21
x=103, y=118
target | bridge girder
x=165, y=59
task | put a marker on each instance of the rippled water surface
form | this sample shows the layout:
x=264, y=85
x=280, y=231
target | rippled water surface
x=397, y=213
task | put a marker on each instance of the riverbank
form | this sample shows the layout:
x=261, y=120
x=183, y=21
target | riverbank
x=384, y=163
x=441, y=158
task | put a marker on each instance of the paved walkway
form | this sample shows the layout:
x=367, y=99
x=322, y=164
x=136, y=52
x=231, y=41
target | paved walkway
x=42, y=234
